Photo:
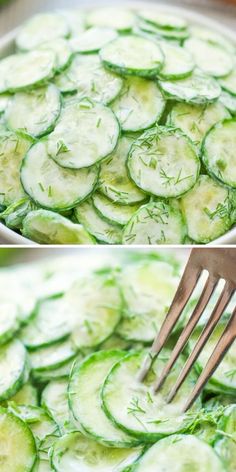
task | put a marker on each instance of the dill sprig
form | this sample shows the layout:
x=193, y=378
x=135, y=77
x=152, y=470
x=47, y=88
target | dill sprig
x=61, y=147
x=204, y=416
x=135, y=407
x=230, y=374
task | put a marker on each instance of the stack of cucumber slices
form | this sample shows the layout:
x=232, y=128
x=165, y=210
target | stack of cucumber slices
x=70, y=350
x=118, y=126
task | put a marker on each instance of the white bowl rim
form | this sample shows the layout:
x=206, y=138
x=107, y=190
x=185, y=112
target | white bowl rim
x=7, y=40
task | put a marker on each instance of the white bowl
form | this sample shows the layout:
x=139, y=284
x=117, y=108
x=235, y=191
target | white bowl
x=7, y=45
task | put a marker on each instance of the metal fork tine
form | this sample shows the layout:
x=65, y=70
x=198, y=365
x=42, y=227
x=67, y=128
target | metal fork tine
x=223, y=345
x=206, y=294
x=219, y=308
x=185, y=289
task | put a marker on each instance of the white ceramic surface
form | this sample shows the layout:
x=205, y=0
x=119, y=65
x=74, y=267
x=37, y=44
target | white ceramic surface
x=8, y=236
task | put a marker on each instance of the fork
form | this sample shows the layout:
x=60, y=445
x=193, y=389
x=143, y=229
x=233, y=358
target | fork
x=220, y=263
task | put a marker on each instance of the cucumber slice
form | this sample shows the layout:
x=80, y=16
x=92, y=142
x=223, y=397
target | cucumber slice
x=148, y=288
x=60, y=373
x=206, y=210
x=30, y=69
x=75, y=19
x=182, y=452
x=132, y=55
x=18, y=449
x=172, y=35
x=163, y=162
x=66, y=85
x=27, y=395
x=88, y=78
x=218, y=152
x=229, y=83
x=99, y=132
x=228, y=421
x=120, y=19
x=178, y=62
x=194, y=120
x=76, y=452
x=55, y=401
x=41, y=424
x=6, y=65
x=4, y=101
x=51, y=186
x=16, y=212
x=114, y=181
x=12, y=151
x=206, y=431
x=162, y=19
x=20, y=113
x=225, y=444
x=46, y=328
x=96, y=225
x=62, y=50
x=52, y=357
x=9, y=323
x=24, y=296
x=224, y=378
x=221, y=62
x=12, y=368
x=56, y=276
x=113, y=212
x=47, y=227
x=115, y=342
x=44, y=429
x=95, y=305
x=225, y=448
x=155, y=223
x=92, y=40
x=41, y=28
x=133, y=407
x=85, y=402
x=139, y=272
x=212, y=37
x=229, y=101
x=154, y=33
x=217, y=401
x=139, y=105
x=199, y=88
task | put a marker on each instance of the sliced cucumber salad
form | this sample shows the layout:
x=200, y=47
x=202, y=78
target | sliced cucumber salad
x=115, y=123
x=70, y=398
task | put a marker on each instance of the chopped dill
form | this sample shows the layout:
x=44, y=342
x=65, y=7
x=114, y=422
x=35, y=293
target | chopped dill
x=135, y=407
x=61, y=147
